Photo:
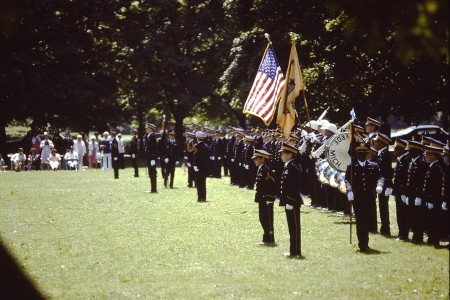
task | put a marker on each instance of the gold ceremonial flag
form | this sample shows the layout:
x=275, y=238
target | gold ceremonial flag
x=286, y=110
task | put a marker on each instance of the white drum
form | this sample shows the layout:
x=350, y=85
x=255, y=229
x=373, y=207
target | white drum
x=336, y=151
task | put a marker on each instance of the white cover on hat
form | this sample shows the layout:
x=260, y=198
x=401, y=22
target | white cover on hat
x=200, y=134
x=330, y=126
x=314, y=125
x=322, y=122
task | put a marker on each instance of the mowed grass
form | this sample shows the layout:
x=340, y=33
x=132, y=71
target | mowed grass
x=84, y=235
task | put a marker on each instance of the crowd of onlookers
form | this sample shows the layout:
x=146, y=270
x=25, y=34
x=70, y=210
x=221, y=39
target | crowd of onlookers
x=74, y=154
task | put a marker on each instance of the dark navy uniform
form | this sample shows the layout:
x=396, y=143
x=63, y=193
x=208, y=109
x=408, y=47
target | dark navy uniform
x=115, y=156
x=385, y=164
x=134, y=152
x=266, y=192
x=362, y=181
x=170, y=158
x=201, y=167
x=432, y=195
x=151, y=153
x=399, y=189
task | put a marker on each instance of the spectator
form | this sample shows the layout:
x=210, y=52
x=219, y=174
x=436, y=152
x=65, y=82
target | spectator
x=105, y=147
x=121, y=147
x=34, y=160
x=46, y=146
x=93, y=152
x=2, y=164
x=54, y=160
x=71, y=159
x=18, y=160
x=80, y=148
x=36, y=142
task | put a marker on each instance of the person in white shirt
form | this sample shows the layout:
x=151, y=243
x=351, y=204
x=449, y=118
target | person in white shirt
x=93, y=151
x=80, y=148
x=54, y=159
x=46, y=146
x=18, y=160
x=71, y=159
x=121, y=147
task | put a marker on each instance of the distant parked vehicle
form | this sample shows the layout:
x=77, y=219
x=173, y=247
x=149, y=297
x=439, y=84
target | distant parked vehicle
x=416, y=133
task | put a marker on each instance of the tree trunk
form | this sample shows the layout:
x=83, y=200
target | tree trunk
x=3, y=143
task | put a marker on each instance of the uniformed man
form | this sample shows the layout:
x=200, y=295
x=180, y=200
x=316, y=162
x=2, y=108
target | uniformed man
x=432, y=194
x=290, y=197
x=201, y=165
x=362, y=178
x=170, y=158
x=372, y=127
x=445, y=193
x=381, y=144
x=248, y=167
x=189, y=157
x=216, y=155
x=151, y=152
x=399, y=187
x=115, y=153
x=134, y=151
x=266, y=193
x=414, y=190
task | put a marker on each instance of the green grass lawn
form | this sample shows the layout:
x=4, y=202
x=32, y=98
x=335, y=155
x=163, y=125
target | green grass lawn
x=84, y=235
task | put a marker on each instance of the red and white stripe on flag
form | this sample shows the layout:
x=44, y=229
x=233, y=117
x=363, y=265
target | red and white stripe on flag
x=267, y=87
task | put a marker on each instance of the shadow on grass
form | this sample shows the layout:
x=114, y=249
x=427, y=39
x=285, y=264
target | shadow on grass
x=373, y=252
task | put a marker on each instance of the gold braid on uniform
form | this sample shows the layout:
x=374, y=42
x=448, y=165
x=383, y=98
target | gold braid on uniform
x=191, y=147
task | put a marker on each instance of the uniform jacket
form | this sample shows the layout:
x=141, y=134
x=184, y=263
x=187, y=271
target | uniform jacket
x=290, y=188
x=170, y=150
x=363, y=180
x=385, y=164
x=201, y=157
x=432, y=187
x=115, y=147
x=416, y=176
x=151, y=146
x=134, y=145
x=266, y=187
x=401, y=175
x=446, y=183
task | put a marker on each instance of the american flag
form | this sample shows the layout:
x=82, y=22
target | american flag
x=266, y=89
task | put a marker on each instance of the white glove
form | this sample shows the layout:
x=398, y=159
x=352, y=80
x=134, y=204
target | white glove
x=166, y=160
x=116, y=158
x=232, y=160
x=219, y=158
x=289, y=207
x=247, y=167
x=177, y=162
x=188, y=164
x=185, y=157
x=303, y=147
x=269, y=202
x=195, y=168
x=407, y=200
x=379, y=189
x=418, y=201
x=430, y=205
x=388, y=192
x=403, y=197
x=240, y=164
x=152, y=162
x=444, y=205
x=133, y=155
x=350, y=196
x=213, y=158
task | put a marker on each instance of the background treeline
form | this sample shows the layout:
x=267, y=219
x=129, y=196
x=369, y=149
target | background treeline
x=92, y=64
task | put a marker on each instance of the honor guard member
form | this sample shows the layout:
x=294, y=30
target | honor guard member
x=189, y=157
x=201, y=165
x=266, y=192
x=230, y=141
x=115, y=153
x=432, y=194
x=414, y=190
x=248, y=169
x=445, y=192
x=151, y=153
x=216, y=155
x=170, y=158
x=222, y=150
x=290, y=197
x=399, y=187
x=372, y=127
x=381, y=144
x=236, y=157
x=362, y=178
x=134, y=151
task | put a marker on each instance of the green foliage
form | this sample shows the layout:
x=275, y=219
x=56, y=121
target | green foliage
x=82, y=235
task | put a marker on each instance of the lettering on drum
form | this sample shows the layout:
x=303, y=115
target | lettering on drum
x=337, y=151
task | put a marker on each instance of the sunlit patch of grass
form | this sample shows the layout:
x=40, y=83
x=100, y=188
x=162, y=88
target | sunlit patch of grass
x=85, y=235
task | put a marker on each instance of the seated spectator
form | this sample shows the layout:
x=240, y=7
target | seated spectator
x=34, y=160
x=71, y=159
x=54, y=160
x=18, y=160
x=2, y=164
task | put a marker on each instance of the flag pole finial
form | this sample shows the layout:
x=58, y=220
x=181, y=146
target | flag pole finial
x=267, y=36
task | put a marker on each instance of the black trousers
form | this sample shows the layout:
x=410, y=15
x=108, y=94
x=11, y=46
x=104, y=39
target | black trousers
x=225, y=166
x=402, y=217
x=191, y=176
x=362, y=208
x=293, y=220
x=383, y=205
x=169, y=172
x=115, y=165
x=432, y=225
x=266, y=220
x=416, y=215
x=135, y=166
x=200, y=182
x=152, y=174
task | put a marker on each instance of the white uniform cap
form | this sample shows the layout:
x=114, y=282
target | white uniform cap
x=313, y=124
x=200, y=134
x=330, y=126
